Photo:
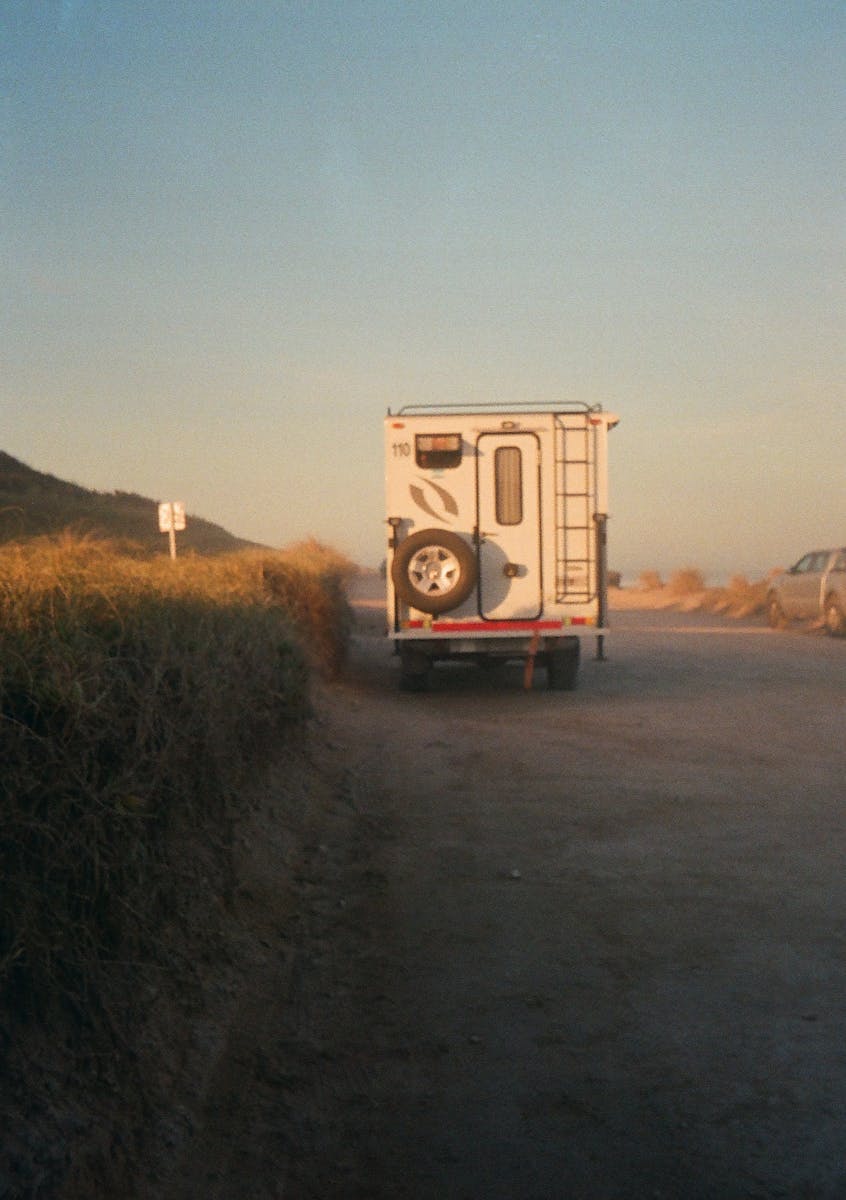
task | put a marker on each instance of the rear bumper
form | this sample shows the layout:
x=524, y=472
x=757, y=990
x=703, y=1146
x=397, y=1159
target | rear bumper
x=423, y=629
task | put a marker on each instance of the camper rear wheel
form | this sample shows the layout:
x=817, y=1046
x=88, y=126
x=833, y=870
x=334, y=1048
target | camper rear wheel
x=562, y=666
x=414, y=670
x=434, y=570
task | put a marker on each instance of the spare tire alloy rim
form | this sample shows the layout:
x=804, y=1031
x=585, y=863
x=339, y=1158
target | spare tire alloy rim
x=434, y=571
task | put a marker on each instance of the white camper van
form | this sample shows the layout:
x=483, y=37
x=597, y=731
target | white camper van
x=496, y=545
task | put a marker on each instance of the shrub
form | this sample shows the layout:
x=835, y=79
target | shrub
x=134, y=699
x=687, y=582
x=308, y=580
x=649, y=581
x=740, y=598
x=316, y=558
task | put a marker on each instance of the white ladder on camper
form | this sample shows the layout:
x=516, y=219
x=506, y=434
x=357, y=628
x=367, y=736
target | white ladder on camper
x=575, y=532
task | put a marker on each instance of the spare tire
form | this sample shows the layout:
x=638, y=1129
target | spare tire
x=434, y=570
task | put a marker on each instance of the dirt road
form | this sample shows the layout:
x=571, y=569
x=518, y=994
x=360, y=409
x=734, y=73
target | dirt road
x=570, y=945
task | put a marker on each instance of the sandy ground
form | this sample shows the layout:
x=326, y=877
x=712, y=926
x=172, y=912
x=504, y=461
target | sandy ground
x=548, y=945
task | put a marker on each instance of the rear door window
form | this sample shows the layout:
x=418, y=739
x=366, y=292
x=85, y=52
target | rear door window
x=508, y=484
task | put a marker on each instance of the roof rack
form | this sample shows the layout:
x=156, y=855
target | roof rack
x=482, y=406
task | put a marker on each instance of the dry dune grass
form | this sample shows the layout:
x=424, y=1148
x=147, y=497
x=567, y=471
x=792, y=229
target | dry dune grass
x=136, y=697
x=686, y=589
x=139, y=702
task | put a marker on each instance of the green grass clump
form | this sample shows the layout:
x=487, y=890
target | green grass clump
x=134, y=699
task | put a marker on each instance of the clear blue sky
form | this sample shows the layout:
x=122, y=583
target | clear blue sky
x=235, y=232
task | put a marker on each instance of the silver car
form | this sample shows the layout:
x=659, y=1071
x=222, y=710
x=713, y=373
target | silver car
x=813, y=589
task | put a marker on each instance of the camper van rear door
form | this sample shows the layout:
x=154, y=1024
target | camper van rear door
x=508, y=499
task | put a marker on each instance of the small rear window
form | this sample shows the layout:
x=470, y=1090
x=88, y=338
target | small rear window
x=508, y=484
x=439, y=450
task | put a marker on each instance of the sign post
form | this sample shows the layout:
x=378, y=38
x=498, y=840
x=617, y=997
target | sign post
x=171, y=519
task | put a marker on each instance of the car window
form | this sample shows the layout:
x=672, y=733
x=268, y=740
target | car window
x=839, y=563
x=815, y=561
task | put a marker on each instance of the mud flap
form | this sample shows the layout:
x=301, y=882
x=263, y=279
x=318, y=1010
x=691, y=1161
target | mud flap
x=529, y=669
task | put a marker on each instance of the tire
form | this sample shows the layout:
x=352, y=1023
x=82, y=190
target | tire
x=775, y=613
x=835, y=622
x=434, y=570
x=414, y=670
x=562, y=667
x=413, y=683
x=490, y=662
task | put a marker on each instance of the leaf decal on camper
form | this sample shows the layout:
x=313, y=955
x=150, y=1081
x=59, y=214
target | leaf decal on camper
x=421, y=501
x=447, y=500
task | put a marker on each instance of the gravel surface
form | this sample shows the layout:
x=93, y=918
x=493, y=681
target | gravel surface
x=551, y=945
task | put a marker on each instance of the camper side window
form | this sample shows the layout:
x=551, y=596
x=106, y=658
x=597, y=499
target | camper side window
x=438, y=450
x=508, y=482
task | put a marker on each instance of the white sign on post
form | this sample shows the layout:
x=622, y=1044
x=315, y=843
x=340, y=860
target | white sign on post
x=171, y=520
x=171, y=516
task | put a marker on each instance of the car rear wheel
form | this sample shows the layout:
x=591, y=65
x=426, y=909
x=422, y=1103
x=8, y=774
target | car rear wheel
x=835, y=623
x=775, y=613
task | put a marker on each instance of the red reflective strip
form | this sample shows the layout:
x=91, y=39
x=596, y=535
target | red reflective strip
x=489, y=626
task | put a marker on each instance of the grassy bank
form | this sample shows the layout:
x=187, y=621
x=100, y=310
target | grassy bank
x=686, y=589
x=136, y=696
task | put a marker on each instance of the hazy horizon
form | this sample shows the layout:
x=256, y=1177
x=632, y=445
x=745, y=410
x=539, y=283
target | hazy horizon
x=235, y=235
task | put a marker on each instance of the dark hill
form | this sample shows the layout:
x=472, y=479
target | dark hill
x=33, y=504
